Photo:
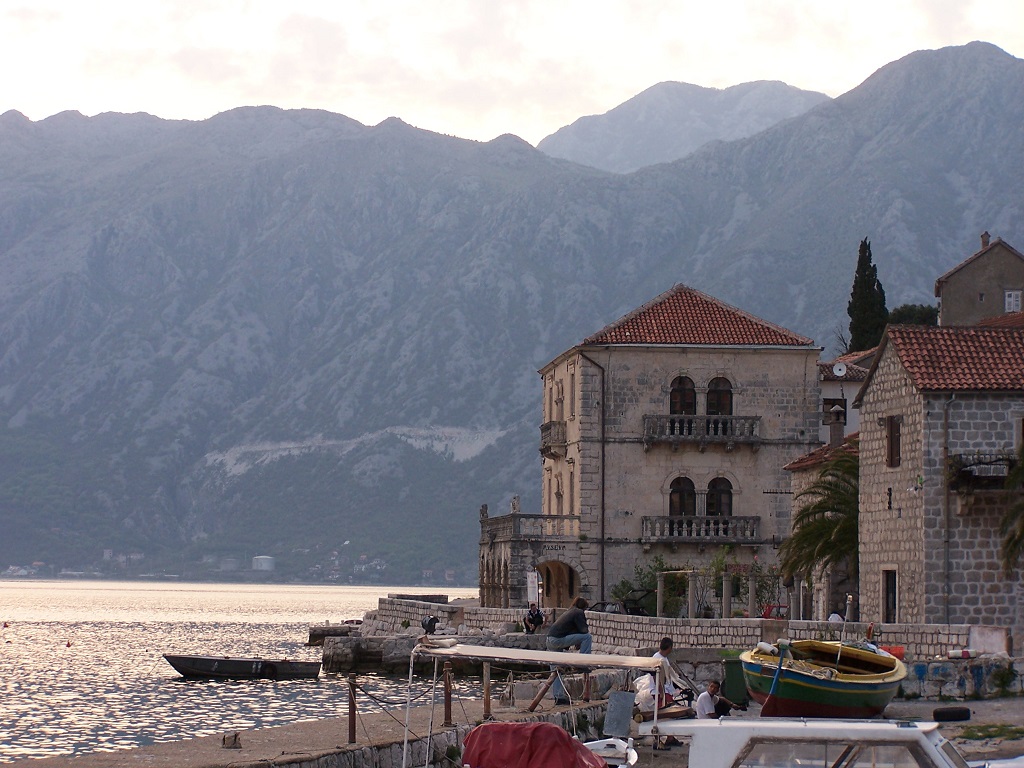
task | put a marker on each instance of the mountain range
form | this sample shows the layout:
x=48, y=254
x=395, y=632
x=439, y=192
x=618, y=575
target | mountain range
x=286, y=333
x=668, y=121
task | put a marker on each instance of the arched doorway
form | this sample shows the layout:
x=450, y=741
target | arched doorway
x=559, y=584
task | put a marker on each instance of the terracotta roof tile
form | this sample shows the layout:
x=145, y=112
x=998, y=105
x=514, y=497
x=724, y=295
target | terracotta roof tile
x=950, y=359
x=819, y=456
x=1009, y=320
x=683, y=315
x=853, y=372
x=862, y=358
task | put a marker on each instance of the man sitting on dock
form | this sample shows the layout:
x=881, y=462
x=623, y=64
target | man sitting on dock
x=711, y=705
x=569, y=630
x=533, y=620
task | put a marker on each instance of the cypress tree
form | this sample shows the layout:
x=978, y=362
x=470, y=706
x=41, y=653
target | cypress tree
x=867, y=311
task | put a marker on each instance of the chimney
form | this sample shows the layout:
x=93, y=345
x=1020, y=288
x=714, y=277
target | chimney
x=835, y=427
x=984, y=239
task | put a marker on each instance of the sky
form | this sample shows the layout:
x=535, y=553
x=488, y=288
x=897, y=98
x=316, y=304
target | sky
x=472, y=68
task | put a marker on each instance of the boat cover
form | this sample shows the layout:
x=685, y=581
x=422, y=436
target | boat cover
x=526, y=745
x=553, y=658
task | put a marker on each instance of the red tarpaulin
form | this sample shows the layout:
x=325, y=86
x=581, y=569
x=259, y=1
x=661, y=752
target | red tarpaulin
x=526, y=745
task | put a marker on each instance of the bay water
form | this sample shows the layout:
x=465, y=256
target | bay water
x=81, y=665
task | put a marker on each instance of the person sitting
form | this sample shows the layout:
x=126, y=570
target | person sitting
x=533, y=620
x=568, y=631
x=711, y=705
x=673, y=682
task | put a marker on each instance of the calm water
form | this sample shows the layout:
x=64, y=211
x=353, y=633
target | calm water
x=81, y=666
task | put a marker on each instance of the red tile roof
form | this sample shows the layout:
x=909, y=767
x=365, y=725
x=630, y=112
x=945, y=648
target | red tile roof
x=819, y=456
x=1009, y=320
x=952, y=359
x=862, y=358
x=827, y=372
x=683, y=315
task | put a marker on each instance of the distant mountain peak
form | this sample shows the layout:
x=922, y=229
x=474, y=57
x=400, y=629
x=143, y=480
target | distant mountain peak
x=670, y=120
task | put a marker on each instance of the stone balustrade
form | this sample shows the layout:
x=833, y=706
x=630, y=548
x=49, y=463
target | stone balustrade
x=700, y=529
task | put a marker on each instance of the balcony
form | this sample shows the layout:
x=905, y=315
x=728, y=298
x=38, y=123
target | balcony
x=970, y=472
x=700, y=530
x=552, y=440
x=701, y=431
x=519, y=527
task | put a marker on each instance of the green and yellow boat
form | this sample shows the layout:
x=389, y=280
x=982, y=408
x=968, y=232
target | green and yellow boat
x=820, y=678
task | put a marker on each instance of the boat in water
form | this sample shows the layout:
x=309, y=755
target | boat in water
x=234, y=668
x=819, y=678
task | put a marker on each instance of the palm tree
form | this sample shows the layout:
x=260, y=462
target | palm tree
x=825, y=528
x=1012, y=527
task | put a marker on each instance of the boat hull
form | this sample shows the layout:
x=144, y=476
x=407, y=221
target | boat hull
x=231, y=668
x=809, y=690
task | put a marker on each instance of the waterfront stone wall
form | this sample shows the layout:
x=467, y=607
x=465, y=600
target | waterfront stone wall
x=614, y=633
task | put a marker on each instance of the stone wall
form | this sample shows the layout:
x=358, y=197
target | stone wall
x=614, y=633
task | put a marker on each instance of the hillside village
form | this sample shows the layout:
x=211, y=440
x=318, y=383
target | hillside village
x=678, y=437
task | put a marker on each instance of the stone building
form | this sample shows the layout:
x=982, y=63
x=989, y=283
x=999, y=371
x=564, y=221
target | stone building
x=664, y=433
x=942, y=413
x=987, y=284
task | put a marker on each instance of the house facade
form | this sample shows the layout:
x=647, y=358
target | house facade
x=663, y=434
x=941, y=417
x=987, y=284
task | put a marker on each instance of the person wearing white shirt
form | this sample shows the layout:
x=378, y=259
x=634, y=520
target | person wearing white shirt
x=711, y=705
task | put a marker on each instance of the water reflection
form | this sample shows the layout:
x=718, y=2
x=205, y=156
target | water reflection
x=69, y=686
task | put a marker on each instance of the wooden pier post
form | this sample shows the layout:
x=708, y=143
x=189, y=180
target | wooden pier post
x=487, y=691
x=448, y=722
x=351, y=708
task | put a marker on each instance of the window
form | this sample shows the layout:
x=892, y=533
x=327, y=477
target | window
x=572, y=395
x=889, y=603
x=848, y=753
x=683, y=398
x=682, y=499
x=892, y=440
x=1013, y=301
x=720, y=397
x=572, y=492
x=719, y=500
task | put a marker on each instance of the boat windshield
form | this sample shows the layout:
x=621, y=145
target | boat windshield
x=952, y=755
x=833, y=754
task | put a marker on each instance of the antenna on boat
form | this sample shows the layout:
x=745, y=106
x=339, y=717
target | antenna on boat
x=842, y=632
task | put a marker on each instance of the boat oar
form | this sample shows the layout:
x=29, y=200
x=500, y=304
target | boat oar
x=770, y=708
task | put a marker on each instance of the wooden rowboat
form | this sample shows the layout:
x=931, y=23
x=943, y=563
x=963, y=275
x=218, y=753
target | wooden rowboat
x=823, y=679
x=227, y=667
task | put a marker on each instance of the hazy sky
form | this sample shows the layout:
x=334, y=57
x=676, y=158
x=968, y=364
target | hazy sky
x=473, y=68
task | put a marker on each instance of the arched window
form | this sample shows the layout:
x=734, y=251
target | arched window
x=720, y=397
x=683, y=398
x=719, y=500
x=682, y=500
